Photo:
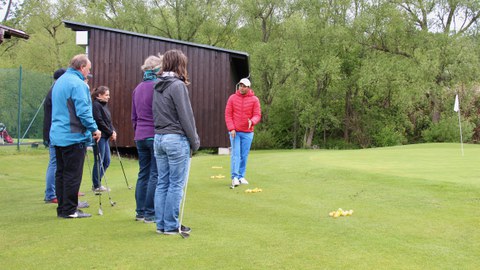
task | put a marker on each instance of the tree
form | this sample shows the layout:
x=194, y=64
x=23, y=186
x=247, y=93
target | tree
x=439, y=24
x=8, y=6
x=211, y=22
x=261, y=35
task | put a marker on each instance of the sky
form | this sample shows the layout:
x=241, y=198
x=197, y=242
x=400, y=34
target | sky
x=2, y=13
x=3, y=8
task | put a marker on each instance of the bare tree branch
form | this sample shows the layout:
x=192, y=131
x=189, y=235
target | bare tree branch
x=7, y=11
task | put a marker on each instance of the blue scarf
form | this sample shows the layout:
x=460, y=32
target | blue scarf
x=150, y=75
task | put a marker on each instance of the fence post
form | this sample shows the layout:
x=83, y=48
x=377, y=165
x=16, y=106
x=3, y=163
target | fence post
x=19, y=107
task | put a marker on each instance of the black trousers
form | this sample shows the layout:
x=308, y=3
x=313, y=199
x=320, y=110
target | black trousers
x=68, y=177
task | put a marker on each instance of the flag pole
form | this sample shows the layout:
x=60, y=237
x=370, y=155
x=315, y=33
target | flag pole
x=456, y=108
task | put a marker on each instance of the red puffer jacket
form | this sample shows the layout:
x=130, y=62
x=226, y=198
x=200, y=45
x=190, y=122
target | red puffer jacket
x=240, y=108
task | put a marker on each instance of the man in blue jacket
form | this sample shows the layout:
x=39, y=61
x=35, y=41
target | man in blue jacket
x=71, y=130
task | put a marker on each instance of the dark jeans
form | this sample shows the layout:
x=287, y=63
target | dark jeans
x=147, y=179
x=68, y=177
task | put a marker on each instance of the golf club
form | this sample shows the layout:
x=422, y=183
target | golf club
x=184, y=235
x=121, y=164
x=112, y=203
x=100, y=210
x=232, y=156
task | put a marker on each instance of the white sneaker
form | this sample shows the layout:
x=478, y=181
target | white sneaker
x=100, y=189
x=235, y=182
x=243, y=181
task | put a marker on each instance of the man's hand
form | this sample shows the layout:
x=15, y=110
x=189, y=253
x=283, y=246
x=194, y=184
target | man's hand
x=233, y=133
x=114, y=136
x=97, y=135
x=249, y=123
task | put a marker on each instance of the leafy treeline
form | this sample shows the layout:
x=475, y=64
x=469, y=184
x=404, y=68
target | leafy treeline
x=329, y=73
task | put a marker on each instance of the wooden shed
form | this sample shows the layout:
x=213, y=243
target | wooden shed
x=116, y=58
x=8, y=32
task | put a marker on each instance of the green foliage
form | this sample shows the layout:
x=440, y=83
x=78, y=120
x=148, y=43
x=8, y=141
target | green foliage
x=447, y=130
x=264, y=139
x=339, y=144
x=51, y=45
x=388, y=136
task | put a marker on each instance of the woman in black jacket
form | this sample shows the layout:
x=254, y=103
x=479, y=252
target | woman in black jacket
x=101, y=114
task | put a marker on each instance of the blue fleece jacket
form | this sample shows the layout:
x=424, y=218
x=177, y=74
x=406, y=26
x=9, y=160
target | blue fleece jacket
x=72, y=119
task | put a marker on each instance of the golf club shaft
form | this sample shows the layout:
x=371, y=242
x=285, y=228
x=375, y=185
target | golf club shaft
x=121, y=165
x=112, y=203
x=100, y=210
x=184, y=197
x=232, y=156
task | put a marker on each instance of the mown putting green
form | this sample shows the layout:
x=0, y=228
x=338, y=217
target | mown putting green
x=416, y=207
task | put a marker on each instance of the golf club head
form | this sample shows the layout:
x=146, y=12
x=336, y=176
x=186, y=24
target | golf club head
x=129, y=187
x=112, y=203
x=100, y=212
x=184, y=235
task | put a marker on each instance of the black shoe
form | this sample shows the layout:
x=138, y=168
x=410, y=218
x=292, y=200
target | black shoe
x=184, y=229
x=149, y=220
x=78, y=214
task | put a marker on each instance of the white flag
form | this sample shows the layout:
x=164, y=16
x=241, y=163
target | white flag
x=456, y=107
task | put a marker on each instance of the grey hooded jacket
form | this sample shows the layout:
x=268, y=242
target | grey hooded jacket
x=172, y=110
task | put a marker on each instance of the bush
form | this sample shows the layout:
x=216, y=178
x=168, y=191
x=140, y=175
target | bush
x=388, y=136
x=264, y=139
x=340, y=144
x=447, y=130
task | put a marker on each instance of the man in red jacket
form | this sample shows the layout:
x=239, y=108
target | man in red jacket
x=242, y=113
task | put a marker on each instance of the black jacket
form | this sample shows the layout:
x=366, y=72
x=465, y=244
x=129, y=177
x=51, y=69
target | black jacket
x=47, y=117
x=102, y=117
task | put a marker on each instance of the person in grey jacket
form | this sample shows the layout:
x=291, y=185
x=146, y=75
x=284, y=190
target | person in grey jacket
x=175, y=139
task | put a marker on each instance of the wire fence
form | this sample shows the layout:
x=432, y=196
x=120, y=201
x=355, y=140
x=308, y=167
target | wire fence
x=22, y=93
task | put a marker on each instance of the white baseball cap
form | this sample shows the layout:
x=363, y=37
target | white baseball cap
x=245, y=82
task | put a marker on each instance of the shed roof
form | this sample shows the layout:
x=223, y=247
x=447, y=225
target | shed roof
x=76, y=26
x=8, y=32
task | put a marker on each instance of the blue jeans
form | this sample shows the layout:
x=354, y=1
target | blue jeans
x=147, y=179
x=50, y=176
x=172, y=152
x=104, y=150
x=240, y=149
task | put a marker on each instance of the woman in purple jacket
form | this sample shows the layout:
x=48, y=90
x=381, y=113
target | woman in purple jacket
x=142, y=120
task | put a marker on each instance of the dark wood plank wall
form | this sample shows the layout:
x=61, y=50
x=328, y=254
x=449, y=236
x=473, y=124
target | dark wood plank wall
x=116, y=60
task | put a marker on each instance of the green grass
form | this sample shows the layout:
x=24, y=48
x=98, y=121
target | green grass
x=416, y=207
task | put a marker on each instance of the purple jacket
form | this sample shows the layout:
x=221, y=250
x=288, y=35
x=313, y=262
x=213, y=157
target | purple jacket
x=142, y=116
